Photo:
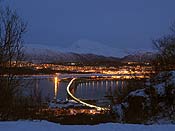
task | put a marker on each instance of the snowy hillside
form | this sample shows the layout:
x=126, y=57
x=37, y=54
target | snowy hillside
x=39, y=54
x=48, y=126
x=139, y=56
x=44, y=54
x=84, y=46
x=81, y=50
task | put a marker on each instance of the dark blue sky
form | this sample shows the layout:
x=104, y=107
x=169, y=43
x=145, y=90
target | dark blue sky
x=118, y=23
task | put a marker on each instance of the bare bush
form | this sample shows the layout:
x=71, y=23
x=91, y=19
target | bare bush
x=166, y=51
x=12, y=29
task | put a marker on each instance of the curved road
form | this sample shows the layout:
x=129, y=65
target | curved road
x=80, y=101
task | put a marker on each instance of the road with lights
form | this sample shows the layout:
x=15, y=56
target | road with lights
x=82, y=102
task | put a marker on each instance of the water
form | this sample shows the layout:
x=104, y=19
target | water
x=99, y=89
x=102, y=92
x=48, y=87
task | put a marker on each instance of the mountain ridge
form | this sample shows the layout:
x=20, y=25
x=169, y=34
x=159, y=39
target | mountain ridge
x=80, y=52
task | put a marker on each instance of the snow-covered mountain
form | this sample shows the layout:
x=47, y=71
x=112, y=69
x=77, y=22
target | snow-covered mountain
x=40, y=54
x=140, y=56
x=85, y=46
x=79, y=51
x=44, y=54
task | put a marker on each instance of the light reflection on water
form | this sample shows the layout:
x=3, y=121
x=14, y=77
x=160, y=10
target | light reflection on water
x=99, y=89
x=56, y=83
x=54, y=88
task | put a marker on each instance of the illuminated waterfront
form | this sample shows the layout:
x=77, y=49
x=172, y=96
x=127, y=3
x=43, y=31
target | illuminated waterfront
x=100, y=91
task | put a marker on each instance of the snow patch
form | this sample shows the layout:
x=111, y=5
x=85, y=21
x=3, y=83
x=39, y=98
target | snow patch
x=140, y=92
x=172, y=78
x=63, y=104
x=119, y=111
x=160, y=89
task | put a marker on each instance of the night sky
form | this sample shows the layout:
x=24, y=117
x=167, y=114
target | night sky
x=117, y=23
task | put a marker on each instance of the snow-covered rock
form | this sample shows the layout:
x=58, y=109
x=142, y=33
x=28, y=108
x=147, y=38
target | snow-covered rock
x=119, y=111
x=140, y=92
x=172, y=78
x=160, y=89
x=164, y=81
x=156, y=99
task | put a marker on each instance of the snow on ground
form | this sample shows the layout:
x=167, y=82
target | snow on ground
x=140, y=92
x=160, y=88
x=48, y=126
x=118, y=109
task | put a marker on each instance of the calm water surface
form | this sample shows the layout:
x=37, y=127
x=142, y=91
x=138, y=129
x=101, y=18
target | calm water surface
x=52, y=87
